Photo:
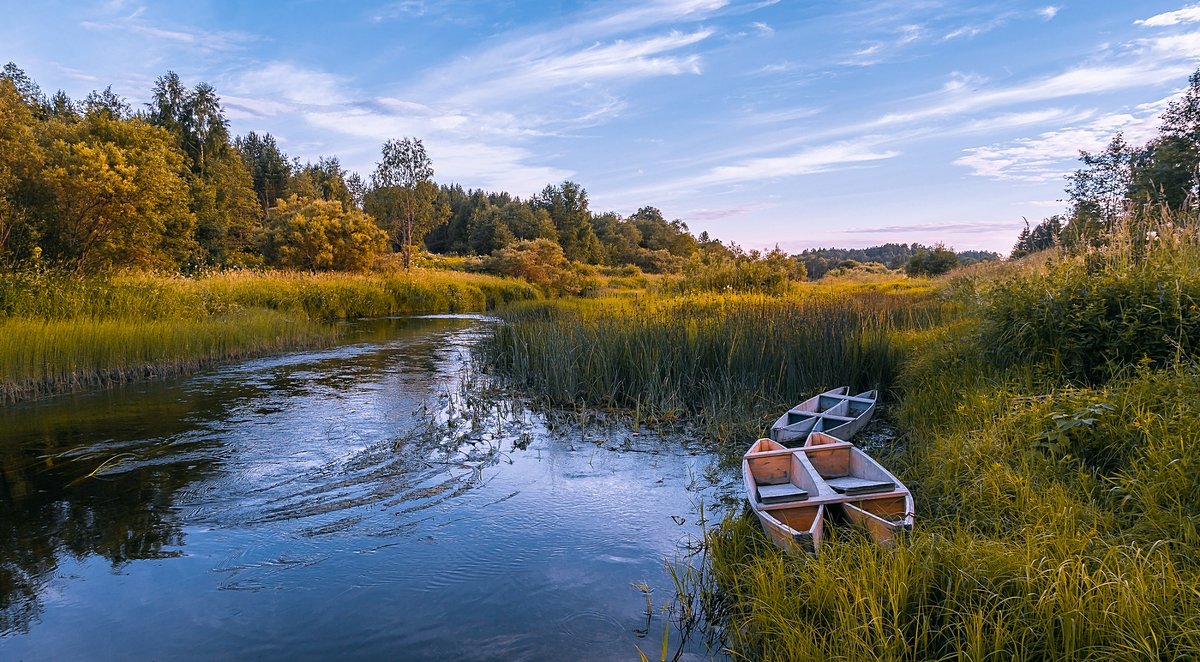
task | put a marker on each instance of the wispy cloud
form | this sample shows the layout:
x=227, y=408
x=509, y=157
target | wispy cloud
x=198, y=40
x=1049, y=12
x=288, y=82
x=958, y=227
x=1189, y=14
x=1051, y=155
x=877, y=51
x=806, y=161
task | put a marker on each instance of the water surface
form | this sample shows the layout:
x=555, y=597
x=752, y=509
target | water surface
x=369, y=501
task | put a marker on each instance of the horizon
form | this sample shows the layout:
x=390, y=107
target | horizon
x=763, y=123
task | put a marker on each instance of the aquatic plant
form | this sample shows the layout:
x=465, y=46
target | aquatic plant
x=63, y=331
x=1058, y=508
x=726, y=363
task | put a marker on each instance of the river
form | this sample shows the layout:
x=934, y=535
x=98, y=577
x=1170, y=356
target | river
x=369, y=501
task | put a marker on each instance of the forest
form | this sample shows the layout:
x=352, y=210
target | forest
x=92, y=185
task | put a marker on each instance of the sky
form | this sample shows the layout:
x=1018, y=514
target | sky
x=797, y=124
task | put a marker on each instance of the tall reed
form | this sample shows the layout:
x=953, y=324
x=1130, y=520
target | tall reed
x=61, y=332
x=1058, y=502
x=724, y=362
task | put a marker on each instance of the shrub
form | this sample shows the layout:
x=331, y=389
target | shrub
x=321, y=235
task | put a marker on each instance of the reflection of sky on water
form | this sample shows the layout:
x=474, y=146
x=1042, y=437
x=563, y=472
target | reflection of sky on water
x=320, y=505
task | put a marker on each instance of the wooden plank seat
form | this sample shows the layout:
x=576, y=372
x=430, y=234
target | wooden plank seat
x=781, y=493
x=855, y=485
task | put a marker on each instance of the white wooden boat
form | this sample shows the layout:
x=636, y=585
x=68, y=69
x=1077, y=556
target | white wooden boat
x=779, y=485
x=792, y=490
x=834, y=412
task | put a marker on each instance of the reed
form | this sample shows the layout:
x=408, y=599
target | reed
x=726, y=363
x=40, y=356
x=1058, y=501
x=64, y=332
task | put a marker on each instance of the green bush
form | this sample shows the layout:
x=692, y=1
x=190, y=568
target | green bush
x=1089, y=324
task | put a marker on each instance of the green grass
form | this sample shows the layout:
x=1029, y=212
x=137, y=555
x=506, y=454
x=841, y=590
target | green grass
x=726, y=363
x=61, y=332
x=1058, y=507
x=40, y=356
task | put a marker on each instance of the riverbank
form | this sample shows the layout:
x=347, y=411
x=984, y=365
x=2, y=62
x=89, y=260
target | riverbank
x=1046, y=426
x=1049, y=437
x=62, y=333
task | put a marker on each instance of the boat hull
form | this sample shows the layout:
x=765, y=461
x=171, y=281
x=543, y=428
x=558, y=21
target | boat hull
x=834, y=412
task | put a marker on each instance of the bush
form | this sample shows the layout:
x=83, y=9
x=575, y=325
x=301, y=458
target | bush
x=541, y=262
x=1090, y=325
x=932, y=263
x=321, y=235
x=739, y=271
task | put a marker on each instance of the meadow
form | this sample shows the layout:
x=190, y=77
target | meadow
x=61, y=332
x=1047, y=428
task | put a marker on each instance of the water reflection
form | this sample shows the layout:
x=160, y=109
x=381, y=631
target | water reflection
x=356, y=502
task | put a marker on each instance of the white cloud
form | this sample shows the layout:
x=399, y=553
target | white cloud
x=902, y=36
x=1189, y=14
x=1077, y=82
x=1053, y=154
x=1048, y=12
x=283, y=81
x=197, y=40
x=808, y=161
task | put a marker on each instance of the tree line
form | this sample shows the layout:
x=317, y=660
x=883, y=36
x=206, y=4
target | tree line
x=1127, y=187
x=95, y=184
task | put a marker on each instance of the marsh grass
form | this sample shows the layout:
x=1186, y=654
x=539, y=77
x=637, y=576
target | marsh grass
x=725, y=363
x=64, y=332
x=1058, y=500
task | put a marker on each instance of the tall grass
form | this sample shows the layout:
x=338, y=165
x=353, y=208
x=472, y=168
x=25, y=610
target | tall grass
x=41, y=356
x=1058, y=508
x=725, y=362
x=61, y=332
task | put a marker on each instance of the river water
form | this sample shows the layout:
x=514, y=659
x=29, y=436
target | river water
x=369, y=501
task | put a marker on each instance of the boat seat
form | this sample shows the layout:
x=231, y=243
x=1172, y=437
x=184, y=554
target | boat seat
x=853, y=485
x=781, y=493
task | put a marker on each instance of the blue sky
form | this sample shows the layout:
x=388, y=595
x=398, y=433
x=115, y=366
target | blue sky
x=800, y=124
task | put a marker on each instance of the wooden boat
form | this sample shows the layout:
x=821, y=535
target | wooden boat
x=779, y=485
x=833, y=412
x=883, y=507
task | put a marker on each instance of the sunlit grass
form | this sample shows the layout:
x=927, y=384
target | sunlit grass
x=727, y=363
x=1058, y=509
x=61, y=332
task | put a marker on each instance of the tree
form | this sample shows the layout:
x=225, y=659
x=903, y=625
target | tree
x=403, y=196
x=268, y=166
x=1043, y=236
x=1098, y=192
x=227, y=213
x=117, y=196
x=21, y=165
x=356, y=189
x=107, y=102
x=542, y=262
x=1174, y=157
x=314, y=234
x=933, y=262
x=567, y=205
